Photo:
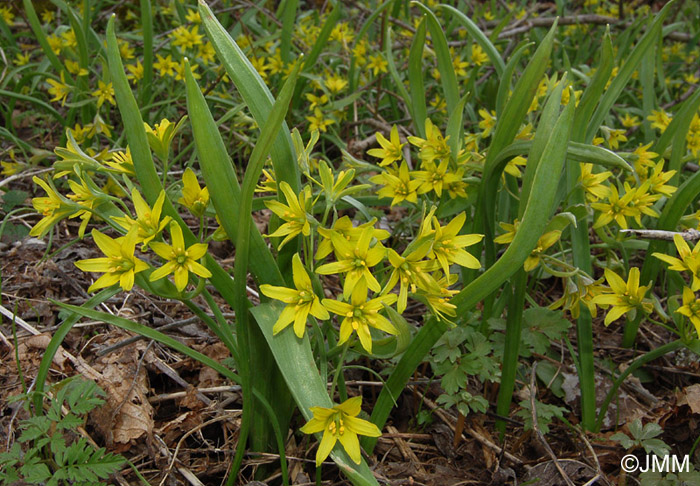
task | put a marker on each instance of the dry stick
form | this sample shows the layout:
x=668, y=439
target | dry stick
x=599, y=472
x=133, y=339
x=225, y=416
x=172, y=396
x=405, y=450
x=578, y=20
x=690, y=235
x=536, y=428
x=468, y=431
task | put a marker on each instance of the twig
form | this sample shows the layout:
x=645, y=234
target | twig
x=225, y=416
x=22, y=323
x=533, y=22
x=469, y=431
x=172, y=396
x=23, y=175
x=690, y=235
x=598, y=471
x=536, y=428
x=133, y=339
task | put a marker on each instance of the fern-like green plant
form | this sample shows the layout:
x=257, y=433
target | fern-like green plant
x=46, y=453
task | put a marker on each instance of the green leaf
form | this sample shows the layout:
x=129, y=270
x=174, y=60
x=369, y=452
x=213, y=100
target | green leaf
x=222, y=182
x=415, y=80
x=254, y=92
x=448, y=78
x=479, y=37
x=296, y=361
x=611, y=93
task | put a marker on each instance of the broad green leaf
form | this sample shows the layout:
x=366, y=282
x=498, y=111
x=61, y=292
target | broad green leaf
x=222, y=182
x=448, y=79
x=254, y=92
x=296, y=361
x=507, y=75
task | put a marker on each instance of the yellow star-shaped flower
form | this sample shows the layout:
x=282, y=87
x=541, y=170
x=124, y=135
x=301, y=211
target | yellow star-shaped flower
x=340, y=423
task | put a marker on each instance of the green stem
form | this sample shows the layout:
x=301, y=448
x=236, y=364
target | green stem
x=511, y=350
x=636, y=364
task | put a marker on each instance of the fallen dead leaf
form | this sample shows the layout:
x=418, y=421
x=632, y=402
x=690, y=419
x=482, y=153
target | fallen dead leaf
x=127, y=415
x=691, y=398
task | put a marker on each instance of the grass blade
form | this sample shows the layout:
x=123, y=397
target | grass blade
x=419, y=111
x=448, y=78
x=479, y=37
x=254, y=92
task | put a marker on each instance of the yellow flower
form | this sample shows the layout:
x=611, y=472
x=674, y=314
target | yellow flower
x=104, y=92
x=300, y=302
x=68, y=39
x=615, y=137
x=316, y=101
x=59, y=90
x=448, y=244
x=479, y=57
x=88, y=200
x=180, y=261
x=543, y=243
x=391, y=149
x=434, y=146
x=411, y=271
x=658, y=180
x=343, y=227
x=592, y=183
x=355, y=261
x=147, y=220
x=340, y=423
x=336, y=188
x=194, y=197
x=122, y=162
x=436, y=177
x=582, y=291
x=206, y=53
x=22, y=59
x=160, y=137
x=53, y=209
x=689, y=260
x=617, y=208
x=623, y=296
x=439, y=302
x=55, y=43
x=47, y=16
x=119, y=264
x=459, y=66
x=165, y=65
x=7, y=16
x=135, y=72
x=193, y=16
x=335, y=83
x=360, y=314
x=294, y=213
x=377, y=64
x=659, y=119
x=488, y=121
x=186, y=38
x=690, y=308
x=398, y=185
x=318, y=122
x=629, y=121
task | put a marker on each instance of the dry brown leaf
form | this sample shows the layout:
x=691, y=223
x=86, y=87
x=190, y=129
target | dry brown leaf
x=691, y=398
x=127, y=415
